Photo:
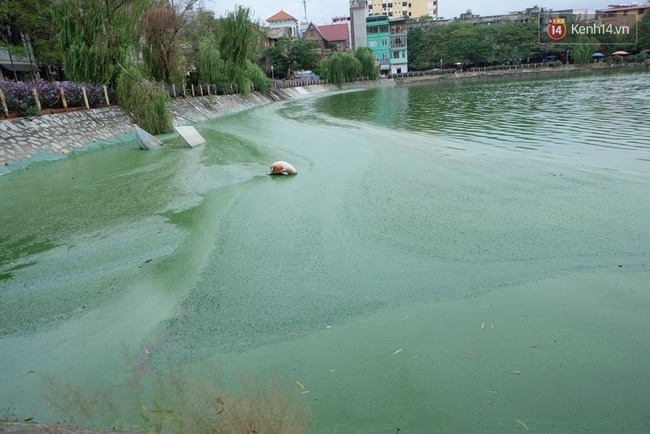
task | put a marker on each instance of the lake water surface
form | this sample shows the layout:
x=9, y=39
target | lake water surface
x=465, y=256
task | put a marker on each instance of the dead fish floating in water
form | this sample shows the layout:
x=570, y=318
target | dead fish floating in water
x=282, y=168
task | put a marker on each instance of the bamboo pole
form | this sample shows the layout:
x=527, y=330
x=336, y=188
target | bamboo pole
x=174, y=90
x=201, y=89
x=83, y=91
x=63, y=99
x=38, y=101
x=4, y=104
x=108, y=102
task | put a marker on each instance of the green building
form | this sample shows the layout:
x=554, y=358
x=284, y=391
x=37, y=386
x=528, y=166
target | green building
x=387, y=40
x=378, y=40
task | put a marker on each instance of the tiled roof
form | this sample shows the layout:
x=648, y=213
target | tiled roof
x=335, y=32
x=280, y=16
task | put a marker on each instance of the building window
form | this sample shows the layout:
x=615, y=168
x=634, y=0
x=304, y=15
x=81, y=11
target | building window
x=384, y=42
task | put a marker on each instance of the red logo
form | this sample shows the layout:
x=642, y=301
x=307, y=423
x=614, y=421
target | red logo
x=556, y=29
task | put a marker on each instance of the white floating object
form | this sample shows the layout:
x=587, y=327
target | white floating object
x=190, y=135
x=146, y=140
x=282, y=168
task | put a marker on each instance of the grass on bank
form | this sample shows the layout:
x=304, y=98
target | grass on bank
x=180, y=403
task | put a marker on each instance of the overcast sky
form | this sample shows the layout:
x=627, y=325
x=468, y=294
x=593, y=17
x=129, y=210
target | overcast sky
x=321, y=12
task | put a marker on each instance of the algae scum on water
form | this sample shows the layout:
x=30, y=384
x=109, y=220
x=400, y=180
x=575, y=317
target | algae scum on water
x=431, y=267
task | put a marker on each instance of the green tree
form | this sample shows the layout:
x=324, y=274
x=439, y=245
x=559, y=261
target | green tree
x=239, y=39
x=468, y=44
x=583, y=49
x=144, y=100
x=643, y=32
x=340, y=67
x=367, y=62
x=274, y=59
x=96, y=37
x=35, y=20
x=288, y=54
x=303, y=54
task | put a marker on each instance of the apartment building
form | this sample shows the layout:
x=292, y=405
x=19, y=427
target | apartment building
x=403, y=9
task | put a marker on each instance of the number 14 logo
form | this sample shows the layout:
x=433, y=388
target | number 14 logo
x=556, y=29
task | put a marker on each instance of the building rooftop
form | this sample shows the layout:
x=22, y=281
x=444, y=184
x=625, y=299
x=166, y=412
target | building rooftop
x=280, y=16
x=616, y=8
x=334, y=32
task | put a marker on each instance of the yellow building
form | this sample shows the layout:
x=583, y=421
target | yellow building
x=408, y=9
x=622, y=15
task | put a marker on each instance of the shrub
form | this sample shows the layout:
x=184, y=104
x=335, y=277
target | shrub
x=18, y=94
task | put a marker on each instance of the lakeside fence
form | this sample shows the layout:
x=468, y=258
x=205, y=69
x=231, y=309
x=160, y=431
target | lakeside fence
x=19, y=98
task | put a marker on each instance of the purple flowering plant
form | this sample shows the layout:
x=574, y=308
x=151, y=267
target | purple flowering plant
x=19, y=95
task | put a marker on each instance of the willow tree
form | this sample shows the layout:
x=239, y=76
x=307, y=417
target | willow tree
x=239, y=38
x=367, y=62
x=97, y=36
x=144, y=100
x=584, y=48
x=210, y=66
x=340, y=67
x=100, y=43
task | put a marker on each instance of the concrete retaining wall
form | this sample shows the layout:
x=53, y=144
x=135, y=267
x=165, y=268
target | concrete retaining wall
x=51, y=136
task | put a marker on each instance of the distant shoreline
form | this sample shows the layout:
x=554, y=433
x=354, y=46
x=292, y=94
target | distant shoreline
x=513, y=72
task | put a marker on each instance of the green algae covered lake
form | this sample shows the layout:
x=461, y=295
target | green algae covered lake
x=467, y=256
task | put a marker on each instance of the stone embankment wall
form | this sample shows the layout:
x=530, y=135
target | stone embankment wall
x=51, y=136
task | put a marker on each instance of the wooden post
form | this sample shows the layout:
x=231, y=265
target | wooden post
x=38, y=101
x=63, y=99
x=4, y=104
x=193, y=94
x=201, y=89
x=83, y=91
x=174, y=90
x=108, y=102
x=208, y=90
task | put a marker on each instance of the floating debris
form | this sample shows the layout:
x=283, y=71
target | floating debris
x=522, y=424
